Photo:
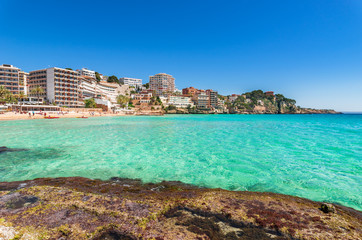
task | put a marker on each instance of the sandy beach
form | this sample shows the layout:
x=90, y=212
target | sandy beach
x=17, y=116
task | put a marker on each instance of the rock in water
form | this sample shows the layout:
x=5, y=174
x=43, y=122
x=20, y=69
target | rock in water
x=5, y=149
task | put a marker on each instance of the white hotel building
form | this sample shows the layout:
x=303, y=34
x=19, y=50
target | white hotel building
x=87, y=72
x=132, y=82
x=178, y=101
x=60, y=85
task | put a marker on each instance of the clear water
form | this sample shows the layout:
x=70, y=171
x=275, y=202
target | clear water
x=313, y=156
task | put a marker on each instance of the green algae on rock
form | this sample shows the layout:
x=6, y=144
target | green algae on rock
x=81, y=208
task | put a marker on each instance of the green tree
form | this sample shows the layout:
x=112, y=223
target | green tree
x=98, y=77
x=90, y=103
x=37, y=91
x=146, y=85
x=3, y=93
x=69, y=69
x=122, y=100
x=113, y=79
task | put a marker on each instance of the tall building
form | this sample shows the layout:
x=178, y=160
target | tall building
x=87, y=72
x=163, y=84
x=60, y=86
x=23, y=82
x=9, y=78
x=213, y=98
x=132, y=82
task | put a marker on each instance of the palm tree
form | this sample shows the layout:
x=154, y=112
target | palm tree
x=4, y=93
x=37, y=91
x=20, y=95
x=122, y=100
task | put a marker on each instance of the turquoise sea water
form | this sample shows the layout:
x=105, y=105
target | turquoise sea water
x=313, y=156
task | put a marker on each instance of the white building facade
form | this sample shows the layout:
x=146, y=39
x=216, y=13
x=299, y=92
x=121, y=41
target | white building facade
x=163, y=84
x=180, y=101
x=87, y=72
x=132, y=82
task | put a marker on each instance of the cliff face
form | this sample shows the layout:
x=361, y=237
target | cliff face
x=79, y=208
x=257, y=102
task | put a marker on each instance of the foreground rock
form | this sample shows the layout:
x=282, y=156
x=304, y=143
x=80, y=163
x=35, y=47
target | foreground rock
x=80, y=208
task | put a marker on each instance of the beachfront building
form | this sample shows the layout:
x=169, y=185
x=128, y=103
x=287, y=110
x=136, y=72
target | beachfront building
x=87, y=88
x=110, y=91
x=87, y=72
x=60, y=86
x=23, y=82
x=180, y=101
x=213, y=98
x=163, y=84
x=201, y=100
x=9, y=78
x=132, y=82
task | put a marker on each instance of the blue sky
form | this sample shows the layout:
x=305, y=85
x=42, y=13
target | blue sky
x=309, y=50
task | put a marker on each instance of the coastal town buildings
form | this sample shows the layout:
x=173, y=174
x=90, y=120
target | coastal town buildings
x=163, y=84
x=9, y=78
x=132, y=82
x=87, y=72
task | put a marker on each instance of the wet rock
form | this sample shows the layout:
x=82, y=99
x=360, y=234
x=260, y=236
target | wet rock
x=16, y=201
x=327, y=208
x=5, y=149
x=113, y=234
x=81, y=208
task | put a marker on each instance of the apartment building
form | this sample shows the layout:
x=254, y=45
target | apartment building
x=190, y=91
x=201, y=100
x=163, y=84
x=9, y=78
x=37, y=78
x=87, y=72
x=132, y=82
x=109, y=91
x=143, y=97
x=23, y=82
x=87, y=88
x=60, y=86
x=213, y=98
x=180, y=101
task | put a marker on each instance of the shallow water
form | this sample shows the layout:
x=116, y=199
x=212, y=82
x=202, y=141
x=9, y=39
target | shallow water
x=313, y=156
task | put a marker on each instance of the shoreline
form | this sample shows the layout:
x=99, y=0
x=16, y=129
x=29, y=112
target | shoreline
x=9, y=116
x=82, y=208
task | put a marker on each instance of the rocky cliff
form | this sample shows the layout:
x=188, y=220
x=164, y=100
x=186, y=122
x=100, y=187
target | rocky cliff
x=257, y=102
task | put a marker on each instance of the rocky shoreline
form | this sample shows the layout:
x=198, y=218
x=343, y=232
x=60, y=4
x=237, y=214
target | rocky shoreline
x=81, y=208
